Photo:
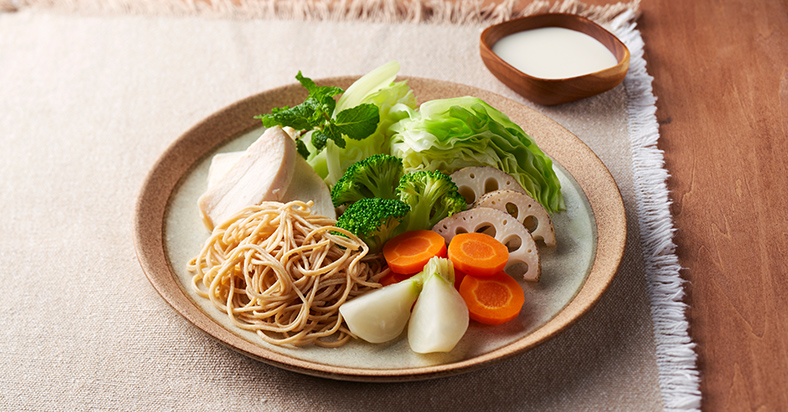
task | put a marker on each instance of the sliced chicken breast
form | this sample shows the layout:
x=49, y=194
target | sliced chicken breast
x=262, y=172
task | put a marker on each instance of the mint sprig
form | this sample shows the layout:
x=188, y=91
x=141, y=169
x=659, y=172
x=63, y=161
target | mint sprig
x=316, y=114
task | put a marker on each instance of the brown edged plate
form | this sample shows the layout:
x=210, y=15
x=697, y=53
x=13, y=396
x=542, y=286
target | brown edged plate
x=591, y=233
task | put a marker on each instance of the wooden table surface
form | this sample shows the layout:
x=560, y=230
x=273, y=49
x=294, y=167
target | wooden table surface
x=720, y=72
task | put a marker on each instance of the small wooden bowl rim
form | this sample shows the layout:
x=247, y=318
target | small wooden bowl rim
x=554, y=20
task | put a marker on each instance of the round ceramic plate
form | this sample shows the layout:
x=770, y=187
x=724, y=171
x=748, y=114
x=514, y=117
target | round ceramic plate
x=591, y=234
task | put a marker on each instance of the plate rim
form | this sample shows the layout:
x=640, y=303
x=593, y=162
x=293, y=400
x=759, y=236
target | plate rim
x=166, y=173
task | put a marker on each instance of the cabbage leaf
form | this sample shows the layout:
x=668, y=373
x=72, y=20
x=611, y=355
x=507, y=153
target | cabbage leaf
x=449, y=134
x=393, y=99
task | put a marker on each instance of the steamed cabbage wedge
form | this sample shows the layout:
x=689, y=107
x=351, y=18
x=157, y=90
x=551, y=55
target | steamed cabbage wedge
x=392, y=99
x=443, y=134
x=449, y=134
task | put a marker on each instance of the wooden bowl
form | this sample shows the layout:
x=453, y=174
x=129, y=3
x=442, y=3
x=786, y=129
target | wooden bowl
x=554, y=91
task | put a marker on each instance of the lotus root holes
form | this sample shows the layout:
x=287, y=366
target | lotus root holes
x=517, y=270
x=467, y=193
x=490, y=185
x=513, y=243
x=487, y=230
x=512, y=209
x=530, y=223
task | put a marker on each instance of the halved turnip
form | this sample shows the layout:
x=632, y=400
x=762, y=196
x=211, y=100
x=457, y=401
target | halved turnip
x=473, y=182
x=523, y=254
x=523, y=208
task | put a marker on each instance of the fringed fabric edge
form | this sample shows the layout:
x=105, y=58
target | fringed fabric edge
x=456, y=12
x=676, y=358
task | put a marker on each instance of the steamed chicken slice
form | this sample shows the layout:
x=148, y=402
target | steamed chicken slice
x=305, y=184
x=261, y=173
x=221, y=163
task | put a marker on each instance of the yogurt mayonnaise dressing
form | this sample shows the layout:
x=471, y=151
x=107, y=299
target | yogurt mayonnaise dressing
x=554, y=53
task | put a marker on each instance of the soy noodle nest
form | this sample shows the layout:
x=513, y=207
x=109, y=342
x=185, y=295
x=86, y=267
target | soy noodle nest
x=282, y=272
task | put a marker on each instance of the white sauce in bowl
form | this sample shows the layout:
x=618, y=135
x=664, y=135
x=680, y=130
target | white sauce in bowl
x=554, y=53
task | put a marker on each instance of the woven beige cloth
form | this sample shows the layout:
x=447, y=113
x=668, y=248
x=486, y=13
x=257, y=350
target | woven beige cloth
x=88, y=103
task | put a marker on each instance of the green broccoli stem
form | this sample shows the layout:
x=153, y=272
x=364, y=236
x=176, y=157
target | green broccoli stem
x=419, y=217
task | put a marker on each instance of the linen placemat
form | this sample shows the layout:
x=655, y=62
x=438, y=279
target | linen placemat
x=89, y=100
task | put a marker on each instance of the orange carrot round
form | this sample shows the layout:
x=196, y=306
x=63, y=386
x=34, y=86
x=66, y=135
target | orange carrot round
x=408, y=252
x=492, y=300
x=458, y=277
x=477, y=254
x=393, y=278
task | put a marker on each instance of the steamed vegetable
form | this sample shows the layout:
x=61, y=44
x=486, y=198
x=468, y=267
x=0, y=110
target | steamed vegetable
x=380, y=77
x=439, y=318
x=478, y=254
x=449, y=134
x=523, y=254
x=381, y=315
x=393, y=99
x=525, y=209
x=374, y=220
x=316, y=114
x=474, y=182
x=492, y=300
x=393, y=277
x=458, y=277
x=379, y=116
x=375, y=176
x=431, y=196
x=409, y=252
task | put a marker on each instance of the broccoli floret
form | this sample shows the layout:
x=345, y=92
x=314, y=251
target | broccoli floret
x=431, y=196
x=375, y=176
x=374, y=220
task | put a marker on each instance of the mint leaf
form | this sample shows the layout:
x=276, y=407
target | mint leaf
x=331, y=131
x=299, y=117
x=358, y=122
x=315, y=90
x=316, y=114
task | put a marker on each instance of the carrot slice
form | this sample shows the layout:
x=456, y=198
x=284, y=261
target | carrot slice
x=408, y=252
x=393, y=278
x=492, y=300
x=478, y=254
x=458, y=277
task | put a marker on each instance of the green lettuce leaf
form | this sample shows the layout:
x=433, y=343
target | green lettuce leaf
x=449, y=134
x=393, y=99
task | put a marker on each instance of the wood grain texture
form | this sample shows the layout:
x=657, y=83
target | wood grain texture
x=721, y=78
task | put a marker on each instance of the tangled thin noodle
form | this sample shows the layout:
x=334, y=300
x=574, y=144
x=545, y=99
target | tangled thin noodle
x=282, y=272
